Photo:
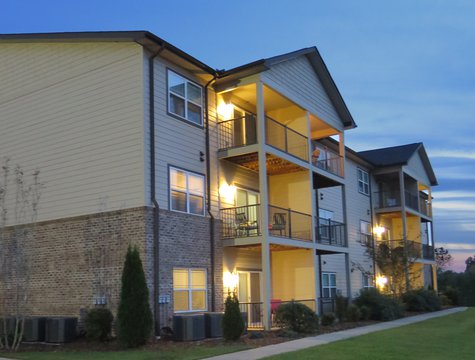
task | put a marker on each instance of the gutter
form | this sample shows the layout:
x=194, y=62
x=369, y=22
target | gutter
x=156, y=207
x=208, y=198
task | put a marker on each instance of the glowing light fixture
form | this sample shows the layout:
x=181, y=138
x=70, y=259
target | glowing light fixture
x=379, y=230
x=381, y=281
x=225, y=110
x=227, y=193
x=230, y=280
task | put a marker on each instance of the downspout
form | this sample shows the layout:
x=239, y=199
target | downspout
x=156, y=207
x=372, y=227
x=208, y=199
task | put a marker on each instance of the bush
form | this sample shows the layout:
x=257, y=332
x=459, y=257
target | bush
x=328, y=319
x=296, y=317
x=233, y=323
x=381, y=307
x=365, y=312
x=353, y=313
x=421, y=300
x=453, y=295
x=99, y=324
x=134, y=318
x=341, y=305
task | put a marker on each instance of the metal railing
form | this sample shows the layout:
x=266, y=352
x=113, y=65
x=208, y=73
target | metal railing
x=252, y=313
x=412, y=200
x=237, y=132
x=387, y=199
x=289, y=223
x=330, y=232
x=286, y=139
x=400, y=248
x=326, y=159
x=425, y=207
x=241, y=221
x=428, y=252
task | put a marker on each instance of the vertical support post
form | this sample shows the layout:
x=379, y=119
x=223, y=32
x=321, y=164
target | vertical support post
x=265, y=246
x=404, y=226
x=342, y=153
x=349, y=295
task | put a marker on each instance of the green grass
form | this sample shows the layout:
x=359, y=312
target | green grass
x=185, y=353
x=448, y=337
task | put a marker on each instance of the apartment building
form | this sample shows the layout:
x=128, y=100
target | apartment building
x=233, y=180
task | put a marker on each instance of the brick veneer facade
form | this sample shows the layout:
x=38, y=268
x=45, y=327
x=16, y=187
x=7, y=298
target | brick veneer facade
x=75, y=260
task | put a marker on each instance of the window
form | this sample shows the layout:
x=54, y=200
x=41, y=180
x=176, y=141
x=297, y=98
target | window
x=368, y=281
x=363, y=182
x=329, y=285
x=189, y=290
x=186, y=192
x=325, y=214
x=365, y=232
x=185, y=98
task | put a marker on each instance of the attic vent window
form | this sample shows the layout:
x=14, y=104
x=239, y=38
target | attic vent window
x=185, y=98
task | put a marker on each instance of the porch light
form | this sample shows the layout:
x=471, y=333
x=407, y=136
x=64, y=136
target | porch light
x=227, y=193
x=230, y=281
x=381, y=281
x=225, y=110
x=379, y=230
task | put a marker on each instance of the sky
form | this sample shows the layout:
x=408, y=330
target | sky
x=406, y=68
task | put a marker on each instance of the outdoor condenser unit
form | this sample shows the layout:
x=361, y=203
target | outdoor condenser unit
x=60, y=329
x=189, y=327
x=34, y=328
x=213, y=324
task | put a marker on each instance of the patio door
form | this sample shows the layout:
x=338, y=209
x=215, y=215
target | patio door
x=247, y=201
x=244, y=128
x=250, y=296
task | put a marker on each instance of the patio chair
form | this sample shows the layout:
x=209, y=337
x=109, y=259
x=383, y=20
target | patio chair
x=279, y=223
x=243, y=225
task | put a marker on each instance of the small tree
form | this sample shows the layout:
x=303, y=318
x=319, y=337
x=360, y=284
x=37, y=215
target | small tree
x=233, y=323
x=442, y=257
x=134, y=315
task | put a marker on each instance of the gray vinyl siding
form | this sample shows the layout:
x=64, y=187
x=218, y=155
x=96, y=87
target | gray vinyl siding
x=416, y=169
x=302, y=84
x=74, y=111
x=177, y=142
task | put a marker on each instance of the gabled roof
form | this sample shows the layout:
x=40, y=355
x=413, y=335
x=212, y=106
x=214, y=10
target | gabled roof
x=319, y=67
x=399, y=156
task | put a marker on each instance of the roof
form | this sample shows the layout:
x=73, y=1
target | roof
x=399, y=156
x=319, y=67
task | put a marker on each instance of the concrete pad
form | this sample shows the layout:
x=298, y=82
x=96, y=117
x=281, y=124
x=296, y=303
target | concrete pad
x=311, y=341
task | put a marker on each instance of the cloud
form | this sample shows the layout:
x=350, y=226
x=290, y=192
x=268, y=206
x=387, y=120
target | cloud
x=459, y=154
x=455, y=205
x=453, y=194
x=455, y=173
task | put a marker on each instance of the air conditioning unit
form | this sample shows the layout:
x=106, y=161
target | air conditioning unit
x=213, y=324
x=189, y=327
x=60, y=329
x=34, y=328
x=10, y=325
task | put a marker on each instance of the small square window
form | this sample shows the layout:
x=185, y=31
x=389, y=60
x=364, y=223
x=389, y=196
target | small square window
x=189, y=290
x=363, y=182
x=187, y=192
x=185, y=98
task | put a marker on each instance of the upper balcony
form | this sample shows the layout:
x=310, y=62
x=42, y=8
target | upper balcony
x=326, y=159
x=392, y=199
x=331, y=233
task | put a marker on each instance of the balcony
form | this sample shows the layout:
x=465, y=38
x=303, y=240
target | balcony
x=389, y=199
x=327, y=160
x=427, y=252
x=331, y=233
x=425, y=207
x=237, y=132
x=289, y=224
x=241, y=221
x=286, y=139
x=396, y=250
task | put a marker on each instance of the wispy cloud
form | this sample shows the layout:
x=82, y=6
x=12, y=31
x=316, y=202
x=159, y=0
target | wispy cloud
x=455, y=205
x=453, y=194
x=459, y=154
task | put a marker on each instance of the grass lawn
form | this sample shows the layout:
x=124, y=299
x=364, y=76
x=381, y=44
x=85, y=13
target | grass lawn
x=185, y=353
x=448, y=337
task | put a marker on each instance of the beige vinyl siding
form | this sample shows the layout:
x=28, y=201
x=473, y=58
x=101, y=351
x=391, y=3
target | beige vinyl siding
x=177, y=142
x=300, y=81
x=235, y=259
x=75, y=111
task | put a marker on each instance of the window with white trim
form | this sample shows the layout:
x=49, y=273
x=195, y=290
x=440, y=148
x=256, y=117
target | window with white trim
x=189, y=290
x=363, y=182
x=368, y=281
x=328, y=285
x=187, y=192
x=185, y=98
x=365, y=232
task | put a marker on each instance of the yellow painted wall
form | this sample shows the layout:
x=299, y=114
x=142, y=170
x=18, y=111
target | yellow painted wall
x=293, y=117
x=291, y=191
x=292, y=275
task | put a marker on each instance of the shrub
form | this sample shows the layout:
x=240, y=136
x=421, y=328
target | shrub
x=341, y=305
x=134, y=318
x=365, y=312
x=233, y=323
x=328, y=319
x=353, y=313
x=296, y=317
x=421, y=300
x=381, y=307
x=453, y=295
x=98, y=324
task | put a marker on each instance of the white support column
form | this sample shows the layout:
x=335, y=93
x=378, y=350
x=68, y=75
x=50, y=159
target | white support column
x=264, y=196
x=342, y=153
x=404, y=221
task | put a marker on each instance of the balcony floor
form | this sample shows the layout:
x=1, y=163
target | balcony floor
x=275, y=165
